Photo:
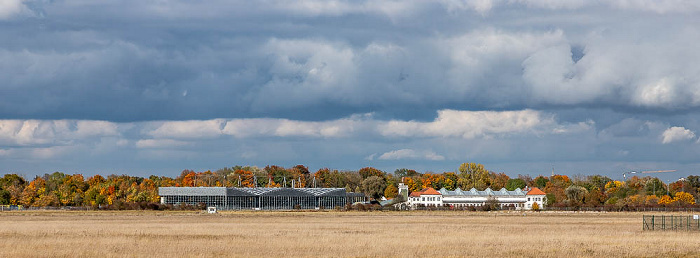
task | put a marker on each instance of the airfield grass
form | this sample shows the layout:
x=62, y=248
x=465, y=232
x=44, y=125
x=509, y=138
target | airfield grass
x=353, y=234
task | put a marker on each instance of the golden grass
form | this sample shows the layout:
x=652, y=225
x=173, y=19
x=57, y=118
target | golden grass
x=363, y=234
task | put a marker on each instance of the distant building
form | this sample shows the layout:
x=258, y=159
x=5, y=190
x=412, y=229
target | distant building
x=518, y=199
x=535, y=195
x=262, y=198
x=403, y=191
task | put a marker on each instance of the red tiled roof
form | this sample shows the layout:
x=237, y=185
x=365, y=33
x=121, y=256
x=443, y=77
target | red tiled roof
x=535, y=191
x=425, y=191
x=430, y=191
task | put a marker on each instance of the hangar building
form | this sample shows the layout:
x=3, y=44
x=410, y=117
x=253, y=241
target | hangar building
x=261, y=198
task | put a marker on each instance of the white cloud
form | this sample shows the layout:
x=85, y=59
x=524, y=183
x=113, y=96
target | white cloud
x=53, y=132
x=411, y=154
x=676, y=133
x=9, y=8
x=389, y=8
x=448, y=124
x=51, y=152
x=159, y=143
x=195, y=129
x=469, y=124
x=579, y=127
x=371, y=156
x=658, y=6
x=303, y=70
x=290, y=128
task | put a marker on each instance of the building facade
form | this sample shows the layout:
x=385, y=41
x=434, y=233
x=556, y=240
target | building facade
x=224, y=198
x=518, y=199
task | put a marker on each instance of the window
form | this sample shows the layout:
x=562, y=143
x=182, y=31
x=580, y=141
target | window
x=528, y=199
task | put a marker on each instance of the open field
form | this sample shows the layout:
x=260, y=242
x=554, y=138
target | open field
x=162, y=234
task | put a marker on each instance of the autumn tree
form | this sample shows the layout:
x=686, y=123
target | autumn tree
x=598, y=181
x=575, y=194
x=246, y=178
x=498, y=180
x=414, y=184
x=556, y=186
x=527, y=179
x=665, y=200
x=370, y=171
x=675, y=187
x=335, y=179
x=595, y=197
x=432, y=180
x=391, y=191
x=13, y=186
x=683, y=198
x=451, y=180
x=651, y=200
x=474, y=175
x=280, y=175
x=302, y=176
x=321, y=176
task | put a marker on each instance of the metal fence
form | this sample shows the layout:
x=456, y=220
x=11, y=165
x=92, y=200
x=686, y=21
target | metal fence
x=671, y=222
x=24, y=208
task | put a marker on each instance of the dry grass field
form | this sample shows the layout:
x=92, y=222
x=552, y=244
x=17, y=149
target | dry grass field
x=363, y=234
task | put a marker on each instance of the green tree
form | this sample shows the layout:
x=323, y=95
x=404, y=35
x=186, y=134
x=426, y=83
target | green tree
x=4, y=197
x=374, y=187
x=551, y=199
x=598, y=181
x=405, y=172
x=515, y=183
x=541, y=181
x=654, y=186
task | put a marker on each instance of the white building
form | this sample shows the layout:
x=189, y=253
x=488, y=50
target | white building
x=535, y=195
x=519, y=199
x=427, y=197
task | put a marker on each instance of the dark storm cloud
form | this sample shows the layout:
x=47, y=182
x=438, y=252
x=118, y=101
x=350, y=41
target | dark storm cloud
x=166, y=85
x=318, y=60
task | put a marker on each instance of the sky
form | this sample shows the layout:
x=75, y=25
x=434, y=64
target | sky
x=145, y=87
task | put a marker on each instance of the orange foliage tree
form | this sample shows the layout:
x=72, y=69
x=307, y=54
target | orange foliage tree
x=665, y=200
x=684, y=198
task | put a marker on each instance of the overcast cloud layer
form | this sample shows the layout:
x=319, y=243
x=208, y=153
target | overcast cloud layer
x=159, y=86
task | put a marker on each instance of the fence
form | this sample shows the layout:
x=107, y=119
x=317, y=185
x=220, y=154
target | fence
x=671, y=222
x=23, y=208
x=635, y=209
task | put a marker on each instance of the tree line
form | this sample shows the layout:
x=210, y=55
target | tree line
x=58, y=189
